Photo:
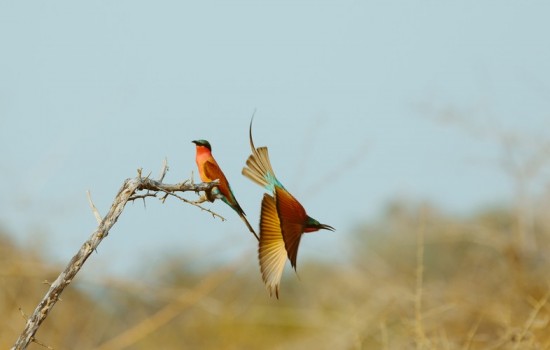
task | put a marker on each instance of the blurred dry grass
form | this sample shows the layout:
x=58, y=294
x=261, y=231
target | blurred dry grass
x=417, y=279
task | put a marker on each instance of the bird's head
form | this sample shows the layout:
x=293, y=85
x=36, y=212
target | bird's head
x=203, y=143
x=313, y=225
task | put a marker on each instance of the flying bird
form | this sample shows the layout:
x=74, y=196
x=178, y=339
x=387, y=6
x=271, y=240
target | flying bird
x=283, y=219
x=209, y=170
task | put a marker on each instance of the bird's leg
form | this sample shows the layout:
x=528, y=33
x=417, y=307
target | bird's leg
x=209, y=196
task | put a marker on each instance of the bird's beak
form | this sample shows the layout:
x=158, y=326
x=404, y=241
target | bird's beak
x=195, y=142
x=326, y=227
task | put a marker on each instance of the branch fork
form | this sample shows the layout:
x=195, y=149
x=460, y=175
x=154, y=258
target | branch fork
x=128, y=192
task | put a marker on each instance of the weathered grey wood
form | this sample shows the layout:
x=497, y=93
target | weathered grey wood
x=128, y=191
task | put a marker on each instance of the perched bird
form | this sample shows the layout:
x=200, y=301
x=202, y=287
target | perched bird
x=283, y=219
x=209, y=170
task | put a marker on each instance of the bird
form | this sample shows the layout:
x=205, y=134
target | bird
x=283, y=220
x=209, y=170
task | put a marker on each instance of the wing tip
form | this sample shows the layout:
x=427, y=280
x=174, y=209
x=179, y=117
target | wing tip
x=272, y=288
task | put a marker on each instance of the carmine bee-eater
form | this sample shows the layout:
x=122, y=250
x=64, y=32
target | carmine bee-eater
x=283, y=219
x=209, y=170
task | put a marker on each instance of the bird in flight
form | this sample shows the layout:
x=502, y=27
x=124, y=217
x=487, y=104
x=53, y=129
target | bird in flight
x=283, y=219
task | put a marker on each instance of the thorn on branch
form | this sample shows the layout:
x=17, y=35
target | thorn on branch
x=93, y=207
x=163, y=198
x=34, y=340
x=142, y=196
x=163, y=170
x=23, y=314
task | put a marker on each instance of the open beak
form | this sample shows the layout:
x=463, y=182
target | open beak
x=326, y=227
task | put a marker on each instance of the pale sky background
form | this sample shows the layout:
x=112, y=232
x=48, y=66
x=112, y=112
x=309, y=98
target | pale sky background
x=346, y=94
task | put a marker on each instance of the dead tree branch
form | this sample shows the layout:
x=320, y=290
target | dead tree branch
x=130, y=190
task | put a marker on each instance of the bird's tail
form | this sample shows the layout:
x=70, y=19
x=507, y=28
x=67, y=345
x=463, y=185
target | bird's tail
x=258, y=167
x=249, y=226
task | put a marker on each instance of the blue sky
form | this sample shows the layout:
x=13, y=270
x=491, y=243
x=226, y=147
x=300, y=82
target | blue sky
x=348, y=97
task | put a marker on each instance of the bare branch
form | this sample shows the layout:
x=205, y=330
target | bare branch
x=127, y=192
x=196, y=204
x=143, y=196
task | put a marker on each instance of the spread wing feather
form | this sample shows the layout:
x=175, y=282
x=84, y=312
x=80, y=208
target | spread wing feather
x=272, y=253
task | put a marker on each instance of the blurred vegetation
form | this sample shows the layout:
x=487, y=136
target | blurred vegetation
x=416, y=279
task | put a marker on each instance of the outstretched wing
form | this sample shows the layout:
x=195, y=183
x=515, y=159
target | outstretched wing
x=272, y=253
x=292, y=217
